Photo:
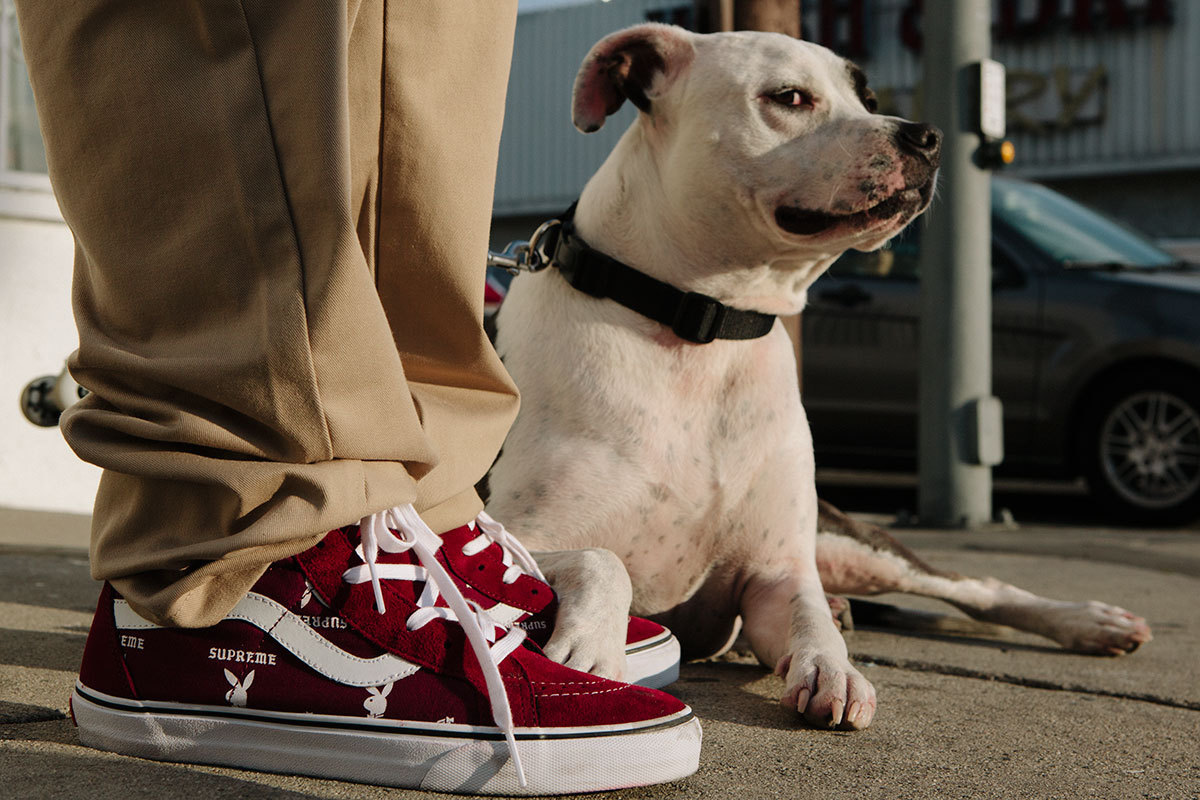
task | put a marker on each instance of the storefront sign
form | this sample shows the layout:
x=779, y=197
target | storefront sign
x=1060, y=99
x=842, y=24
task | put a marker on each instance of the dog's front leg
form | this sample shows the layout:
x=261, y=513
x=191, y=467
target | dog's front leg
x=787, y=621
x=594, y=594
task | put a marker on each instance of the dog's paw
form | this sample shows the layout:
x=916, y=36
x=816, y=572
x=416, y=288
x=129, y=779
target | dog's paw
x=827, y=691
x=1095, y=627
x=594, y=593
x=587, y=655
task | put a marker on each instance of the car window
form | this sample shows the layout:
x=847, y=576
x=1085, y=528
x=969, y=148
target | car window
x=899, y=260
x=1069, y=232
x=1058, y=226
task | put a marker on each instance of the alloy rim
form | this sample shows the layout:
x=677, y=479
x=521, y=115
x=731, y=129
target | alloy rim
x=1150, y=449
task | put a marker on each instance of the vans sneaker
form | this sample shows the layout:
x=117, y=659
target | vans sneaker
x=505, y=580
x=338, y=665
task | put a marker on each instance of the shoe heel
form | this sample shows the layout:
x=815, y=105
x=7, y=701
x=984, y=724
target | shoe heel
x=103, y=667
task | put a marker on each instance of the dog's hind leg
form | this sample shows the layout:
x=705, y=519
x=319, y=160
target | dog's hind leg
x=857, y=558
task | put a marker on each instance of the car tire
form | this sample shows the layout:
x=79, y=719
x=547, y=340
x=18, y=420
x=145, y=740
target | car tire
x=1140, y=447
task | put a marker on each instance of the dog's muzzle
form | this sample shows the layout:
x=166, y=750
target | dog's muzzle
x=920, y=146
x=806, y=222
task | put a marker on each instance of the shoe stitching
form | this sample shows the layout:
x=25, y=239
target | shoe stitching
x=579, y=694
x=323, y=642
x=117, y=649
x=267, y=634
x=497, y=596
x=367, y=632
x=566, y=683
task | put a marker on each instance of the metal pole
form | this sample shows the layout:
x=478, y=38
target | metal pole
x=958, y=420
x=781, y=16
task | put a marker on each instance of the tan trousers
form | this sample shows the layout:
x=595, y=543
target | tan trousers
x=281, y=212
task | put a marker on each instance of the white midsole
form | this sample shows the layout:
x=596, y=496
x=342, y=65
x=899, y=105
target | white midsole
x=582, y=759
x=655, y=666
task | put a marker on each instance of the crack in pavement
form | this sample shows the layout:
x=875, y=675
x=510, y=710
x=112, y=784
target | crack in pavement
x=1019, y=680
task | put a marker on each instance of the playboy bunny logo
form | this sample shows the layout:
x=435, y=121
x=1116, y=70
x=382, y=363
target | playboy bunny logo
x=376, y=704
x=237, y=695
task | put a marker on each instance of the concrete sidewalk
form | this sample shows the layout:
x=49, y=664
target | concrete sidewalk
x=1008, y=716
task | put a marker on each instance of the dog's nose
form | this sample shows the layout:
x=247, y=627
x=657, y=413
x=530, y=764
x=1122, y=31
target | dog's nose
x=919, y=139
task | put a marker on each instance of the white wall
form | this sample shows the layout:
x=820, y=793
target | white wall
x=37, y=333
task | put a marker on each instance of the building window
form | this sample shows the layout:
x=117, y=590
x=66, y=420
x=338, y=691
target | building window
x=24, y=163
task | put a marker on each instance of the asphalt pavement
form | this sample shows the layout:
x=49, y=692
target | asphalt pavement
x=994, y=715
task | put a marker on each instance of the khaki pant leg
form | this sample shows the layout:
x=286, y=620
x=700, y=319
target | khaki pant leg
x=246, y=392
x=444, y=89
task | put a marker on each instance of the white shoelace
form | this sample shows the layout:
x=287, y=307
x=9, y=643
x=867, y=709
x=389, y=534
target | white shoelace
x=492, y=531
x=411, y=532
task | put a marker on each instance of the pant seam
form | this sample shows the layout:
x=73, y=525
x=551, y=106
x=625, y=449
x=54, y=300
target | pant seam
x=383, y=117
x=287, y=203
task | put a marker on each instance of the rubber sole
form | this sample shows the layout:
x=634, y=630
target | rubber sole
x=446, y=758
x=653, y=663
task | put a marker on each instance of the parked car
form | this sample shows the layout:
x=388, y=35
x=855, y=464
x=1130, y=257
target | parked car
x=1095, y=355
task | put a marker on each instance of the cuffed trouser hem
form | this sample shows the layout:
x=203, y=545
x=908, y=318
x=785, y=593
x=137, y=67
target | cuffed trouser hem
x=280, y=211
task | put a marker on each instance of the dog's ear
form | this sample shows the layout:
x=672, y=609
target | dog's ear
x=635, y=64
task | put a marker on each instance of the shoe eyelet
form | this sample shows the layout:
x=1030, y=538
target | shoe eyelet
x=482, y=567
x=534, y=591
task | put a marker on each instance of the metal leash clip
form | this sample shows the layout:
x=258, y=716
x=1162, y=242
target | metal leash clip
x=531, y=256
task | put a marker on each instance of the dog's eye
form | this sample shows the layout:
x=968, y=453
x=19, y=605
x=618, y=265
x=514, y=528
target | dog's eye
x=869, y=101
x=792, y=98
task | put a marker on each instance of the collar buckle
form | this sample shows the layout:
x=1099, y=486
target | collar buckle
x=698, y=318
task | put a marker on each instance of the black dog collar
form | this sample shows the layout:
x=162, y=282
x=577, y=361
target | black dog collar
x=693, y=317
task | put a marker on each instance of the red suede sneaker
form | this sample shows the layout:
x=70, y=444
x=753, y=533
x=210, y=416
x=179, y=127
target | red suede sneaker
x=504, y=578
x=339, y=666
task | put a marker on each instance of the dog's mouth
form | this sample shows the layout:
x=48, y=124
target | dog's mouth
x=806, y=222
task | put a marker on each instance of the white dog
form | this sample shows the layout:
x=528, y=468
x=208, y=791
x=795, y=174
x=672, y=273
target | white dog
x=755, y=162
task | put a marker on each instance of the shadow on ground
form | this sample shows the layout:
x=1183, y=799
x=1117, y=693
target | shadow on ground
x=48, y=754
x=49, y=579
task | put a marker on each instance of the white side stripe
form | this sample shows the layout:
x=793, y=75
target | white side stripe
x=299, y=639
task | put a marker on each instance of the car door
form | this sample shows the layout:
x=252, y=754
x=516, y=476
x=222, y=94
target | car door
x=861, y=353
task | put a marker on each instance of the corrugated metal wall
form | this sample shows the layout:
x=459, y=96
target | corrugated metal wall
x=544, y=160
x=1144, y=117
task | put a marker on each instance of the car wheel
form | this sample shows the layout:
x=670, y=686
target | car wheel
x=1141, y=448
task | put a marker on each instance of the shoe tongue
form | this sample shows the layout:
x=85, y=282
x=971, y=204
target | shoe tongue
x=326, y=562
x=324, y=565
x=457, y=537
x=487, y=586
